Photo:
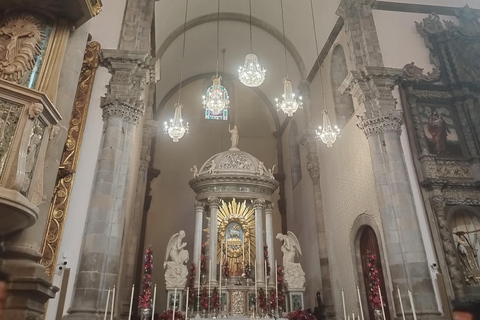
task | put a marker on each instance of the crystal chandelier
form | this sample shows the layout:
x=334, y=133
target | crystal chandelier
x=289, y=103
x=251, y=74
x=216, y=99
x=327, y=134
x=176, y=129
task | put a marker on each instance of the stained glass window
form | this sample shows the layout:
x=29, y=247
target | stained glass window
x=222, y=115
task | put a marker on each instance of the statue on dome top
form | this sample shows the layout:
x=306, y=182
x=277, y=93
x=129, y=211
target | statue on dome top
x=234, y=137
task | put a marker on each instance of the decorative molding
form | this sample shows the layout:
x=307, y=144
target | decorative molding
x=378, y=125
x=68, y=165
x=129, y=113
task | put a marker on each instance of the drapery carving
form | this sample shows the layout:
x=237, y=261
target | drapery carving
x=66, y=174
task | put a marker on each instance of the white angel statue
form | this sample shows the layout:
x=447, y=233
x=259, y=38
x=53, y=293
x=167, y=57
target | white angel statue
x=293, y=272
x=177, y=272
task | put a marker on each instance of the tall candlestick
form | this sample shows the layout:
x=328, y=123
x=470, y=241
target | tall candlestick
x=401, y=303
x=348, y=317
x=153, y=303
x=381, y=302
x=266, y=282
x=360, y=303
x=412, y=304
x=106, y=306
x=174, y=303
x=353, y=315
x=243, y=253
x=186, y=304
x=256, y=293
x=344, y=309
x=220, y=286
x=209, y=284
x=276, y=287
x=249, y=253
x=113, y=303
x=131, y=303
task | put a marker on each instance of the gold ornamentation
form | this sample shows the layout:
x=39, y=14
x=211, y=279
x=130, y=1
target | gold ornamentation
x=20, y=39
x=236, y=230
x=238, y=303
x=68, y=164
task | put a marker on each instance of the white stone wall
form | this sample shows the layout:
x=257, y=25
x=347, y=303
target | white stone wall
x=105, y=28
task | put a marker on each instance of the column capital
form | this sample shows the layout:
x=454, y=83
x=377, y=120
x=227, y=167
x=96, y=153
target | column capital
x=199, y=205
x=269, y=207
x=386, y=123
x=259, y=203
x=129, y=113
x=214, y=202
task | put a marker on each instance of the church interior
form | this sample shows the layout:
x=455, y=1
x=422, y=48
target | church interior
x=243, y=159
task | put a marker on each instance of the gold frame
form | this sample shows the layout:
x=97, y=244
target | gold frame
x=66, y=174
x=244, y=215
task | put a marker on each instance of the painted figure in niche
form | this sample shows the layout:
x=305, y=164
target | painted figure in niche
x=438, y=129
x=468, y=258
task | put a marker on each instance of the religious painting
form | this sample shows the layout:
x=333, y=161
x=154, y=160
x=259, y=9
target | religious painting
x=234, y=236
x=440, y=130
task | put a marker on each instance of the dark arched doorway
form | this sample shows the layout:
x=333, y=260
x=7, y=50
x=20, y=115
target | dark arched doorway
x=369, y=249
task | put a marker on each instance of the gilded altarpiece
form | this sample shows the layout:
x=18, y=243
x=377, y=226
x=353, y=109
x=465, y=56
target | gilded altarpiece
x=68, y=165
x=443, y=119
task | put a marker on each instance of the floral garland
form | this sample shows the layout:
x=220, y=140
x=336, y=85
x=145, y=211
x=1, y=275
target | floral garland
x=191, y=285
x=168, y=315
x=265, y=255
x=374, y=278
x=300, y=315
x=281, y=295
x=215, y=300
x=262, y=299
x=204, y=301
x=145, y=299
x=203, y=259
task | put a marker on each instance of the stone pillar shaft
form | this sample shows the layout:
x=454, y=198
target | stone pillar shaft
x=259, y=205
x=214, y=204
x=269, y=236
x=197, y=242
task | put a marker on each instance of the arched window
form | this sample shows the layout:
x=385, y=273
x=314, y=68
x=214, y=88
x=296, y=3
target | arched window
x=295, y=163
x=338, y=72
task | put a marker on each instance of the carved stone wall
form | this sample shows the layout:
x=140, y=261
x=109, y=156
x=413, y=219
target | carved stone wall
x=443, y=116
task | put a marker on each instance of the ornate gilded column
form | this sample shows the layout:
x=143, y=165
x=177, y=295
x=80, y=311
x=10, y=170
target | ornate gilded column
x=213, y=203
x=269, y=241
x=197, y=242
x=313, y=167
x=102, y=241
x=259, y=206
x=381, y=121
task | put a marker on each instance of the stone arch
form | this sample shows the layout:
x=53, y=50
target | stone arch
x=295, y=160
x=343, y=102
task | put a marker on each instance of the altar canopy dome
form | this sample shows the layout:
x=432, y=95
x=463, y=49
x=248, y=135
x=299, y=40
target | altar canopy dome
x=234, y=162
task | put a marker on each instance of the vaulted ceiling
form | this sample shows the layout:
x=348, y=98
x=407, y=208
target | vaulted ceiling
x=201, y=45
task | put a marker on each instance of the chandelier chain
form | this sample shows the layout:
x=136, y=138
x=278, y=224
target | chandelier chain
x=251, y=41
x=320, y=66
x=218, y=32
x=183, y=51
x=284, y=40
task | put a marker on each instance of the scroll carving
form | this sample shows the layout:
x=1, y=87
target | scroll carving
x=68, y=165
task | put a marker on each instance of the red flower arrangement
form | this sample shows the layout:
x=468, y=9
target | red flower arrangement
x=273, y=300
x=203, y=259
x=262, y=299
x=215, y=299
x=145, y=299
x=281, y=296
x=374, y=278
x=191, y=285
x=168, y=315
x=204, y=301
x=265, y=255
x=300, y=315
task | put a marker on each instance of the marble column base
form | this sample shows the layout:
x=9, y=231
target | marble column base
x=94, y=315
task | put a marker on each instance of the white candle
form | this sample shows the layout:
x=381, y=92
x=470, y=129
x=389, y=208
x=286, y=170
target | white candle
x=154, y=298
x=249, y=254
x=256, y=293
x=220, y=286
x=358, y=317
x=106, y=306
x=381, y=302
x=174, y=303
x=343, y=302
x=412, y=304
x=266, y=282
x=209, y=283
x=360, y=303
x=113, y=303
x=186, y=303
x=131, y=303
x=276, y=285
x=243, y=254
x=401, y=303
x=353, y=315
x=199, y=276
x=348, y=317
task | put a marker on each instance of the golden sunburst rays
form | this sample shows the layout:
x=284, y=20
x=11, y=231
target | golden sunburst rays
x=236, y=230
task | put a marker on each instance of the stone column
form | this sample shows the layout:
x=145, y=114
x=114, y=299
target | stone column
x=214, y=203
x=269, y=236
x=313, y=167
x=259, y=205
x=381, y=122
x=197, y=242
x=102, y=240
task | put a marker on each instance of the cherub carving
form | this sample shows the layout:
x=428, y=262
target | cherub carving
x=194, y=170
